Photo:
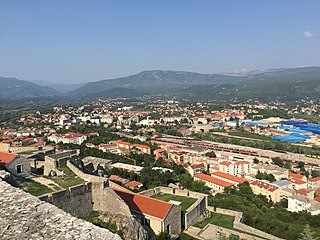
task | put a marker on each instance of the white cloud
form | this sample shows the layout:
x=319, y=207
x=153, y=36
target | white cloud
x=308, y=34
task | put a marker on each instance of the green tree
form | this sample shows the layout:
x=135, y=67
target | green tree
x=211, y=154
x=307, y=234
x=278, y=161
x=287, y=165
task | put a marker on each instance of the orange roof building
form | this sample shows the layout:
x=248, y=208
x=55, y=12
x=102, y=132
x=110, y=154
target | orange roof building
x=271, y=191
x=14, y=163
x=215, y=184
x=160, y=216
x=228, y=177
x=6, y=158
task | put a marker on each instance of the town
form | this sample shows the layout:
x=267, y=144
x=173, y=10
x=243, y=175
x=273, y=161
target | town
x=168, y=168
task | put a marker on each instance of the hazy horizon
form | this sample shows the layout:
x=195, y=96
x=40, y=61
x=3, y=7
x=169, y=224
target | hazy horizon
x=82, y=41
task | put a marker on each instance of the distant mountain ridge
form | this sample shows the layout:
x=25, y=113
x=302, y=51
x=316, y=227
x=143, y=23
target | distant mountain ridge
x=157, y=81
x=275, y=82
x=12, y=88
x=291, y=82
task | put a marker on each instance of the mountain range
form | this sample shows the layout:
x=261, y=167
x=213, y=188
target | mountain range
x=12, y=88
x=291, y=82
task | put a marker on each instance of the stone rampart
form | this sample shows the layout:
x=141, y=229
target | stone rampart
x=85, y=176
x=24, y=216
x=115, y=210
x=237, y=223
x=76, y=200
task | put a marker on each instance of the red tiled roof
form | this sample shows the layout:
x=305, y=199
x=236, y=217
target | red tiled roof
x=262, y=184
x=303, y=191
x=113, y=177
x=296, y=181
x=295, y=175
x=213, y=180
x=229, y=177
x=200, y=165
x=141, y=146
x=242, y=162
x=226, y=163
x=73, y=135
x=315, y=179
x=145, y=205
x=6, y=158
x=133, y=184
x=317, y=199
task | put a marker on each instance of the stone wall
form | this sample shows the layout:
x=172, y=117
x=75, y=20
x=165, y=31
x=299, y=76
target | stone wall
x=106, y=200
x=215, y=232
x=239, y=225
x=76, y=200
x=52, y=162
x=115, y=210
x=24, y=216
x=23, y=162
x=194, y=212
x=173, y=219
x=85, y=176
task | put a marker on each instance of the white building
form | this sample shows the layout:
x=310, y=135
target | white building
x=298, y=203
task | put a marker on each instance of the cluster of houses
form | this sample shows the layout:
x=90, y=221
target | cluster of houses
x=226, y=171
x=121, y=147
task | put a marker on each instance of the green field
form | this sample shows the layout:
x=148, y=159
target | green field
x=218, y=219
x=27, y=152
x=69, y=180
x=34, y=187
x=186, y=202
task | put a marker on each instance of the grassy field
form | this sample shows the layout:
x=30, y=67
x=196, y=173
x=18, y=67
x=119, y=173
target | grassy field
x=186, y=202
x=69, y=180
x=34, y=187
x=27, y=152
x=217, y=219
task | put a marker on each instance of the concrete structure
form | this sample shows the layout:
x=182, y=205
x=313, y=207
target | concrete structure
x=14, y=163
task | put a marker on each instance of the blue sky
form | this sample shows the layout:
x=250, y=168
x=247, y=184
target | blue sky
x=68, y=41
